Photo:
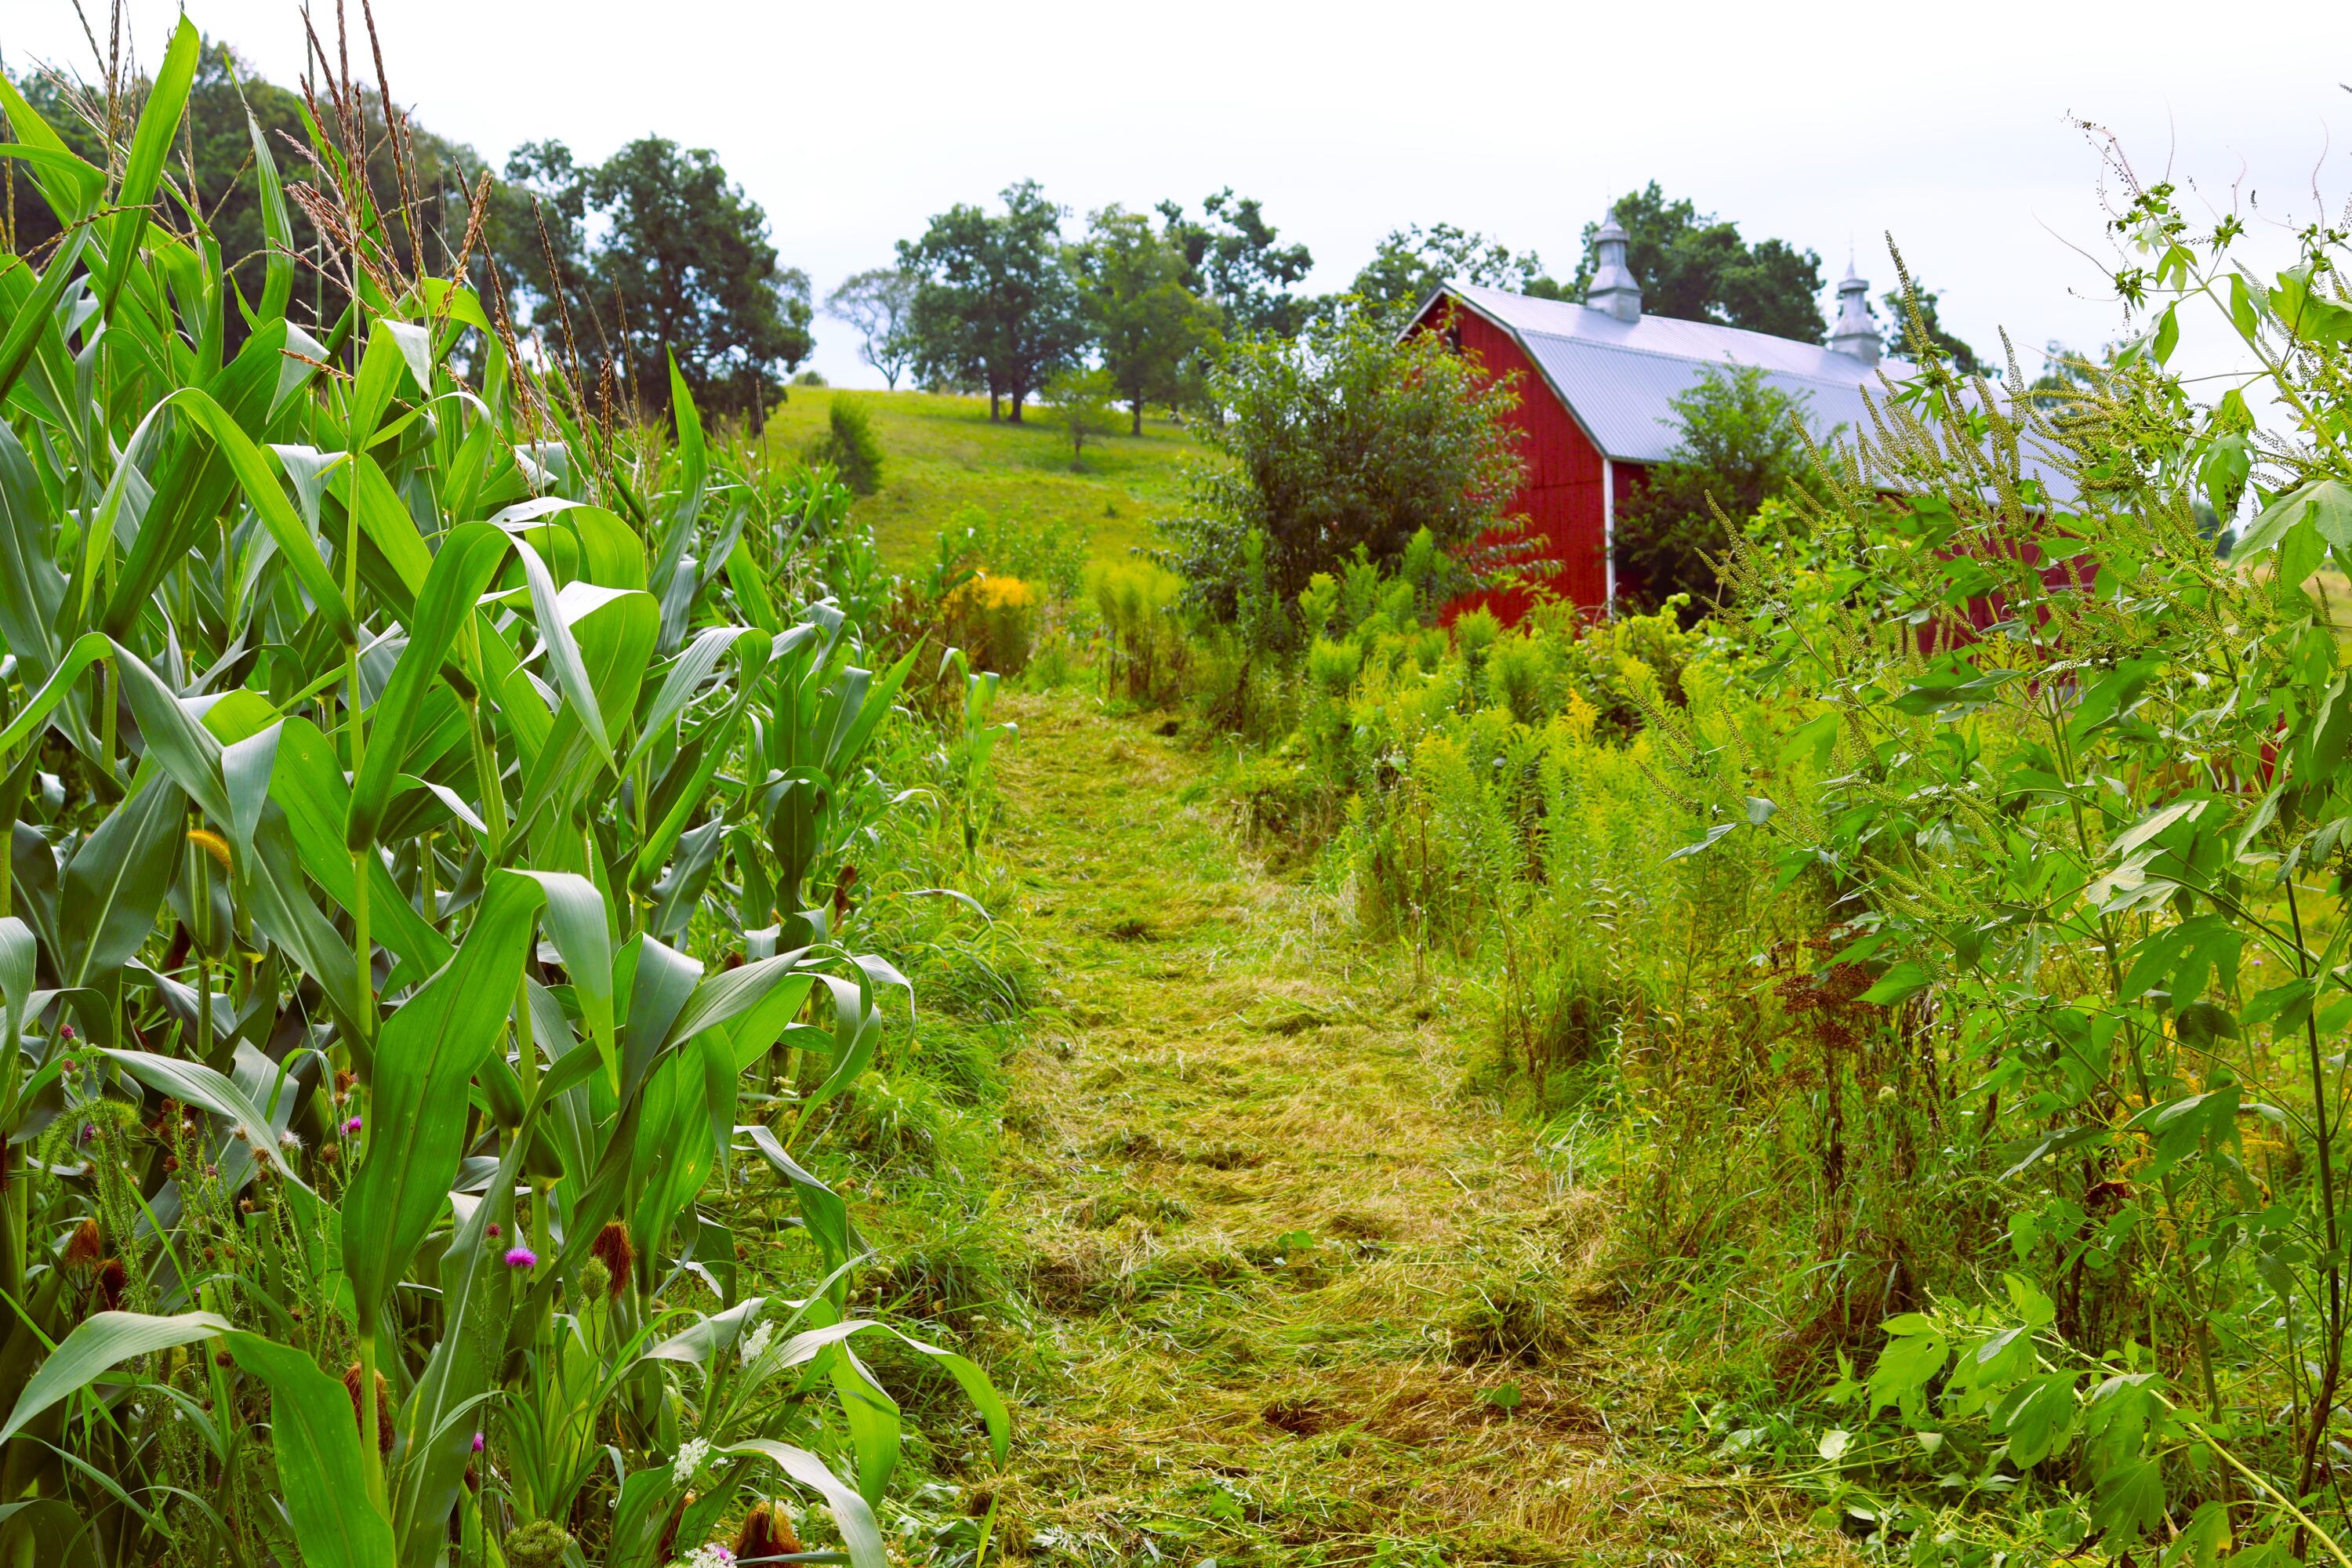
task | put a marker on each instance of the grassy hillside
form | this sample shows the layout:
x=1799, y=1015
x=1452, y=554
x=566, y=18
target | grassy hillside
x=941, y=454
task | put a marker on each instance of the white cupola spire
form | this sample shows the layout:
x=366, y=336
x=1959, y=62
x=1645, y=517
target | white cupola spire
x=1613, y=288
x=1855, y=335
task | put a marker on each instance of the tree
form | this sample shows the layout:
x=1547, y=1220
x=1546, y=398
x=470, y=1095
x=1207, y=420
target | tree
x=1082, y=406
x=1347, y=438
x=1413, y=263
x=880, y=303
x=217, y=144
x=1148, y=324
x=1233, y=258
x=994, y=305
x=1696, y=268
x=1897, y=331
x=681, y=264
x=1741, y=445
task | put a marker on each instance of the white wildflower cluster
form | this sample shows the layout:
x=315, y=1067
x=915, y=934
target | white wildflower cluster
x=708, y=1556
x=755, y=1344
x=689, y=1460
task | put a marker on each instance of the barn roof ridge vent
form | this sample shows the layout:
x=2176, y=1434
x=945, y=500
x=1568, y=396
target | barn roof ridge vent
x=1854, y=336
x=1614, y=288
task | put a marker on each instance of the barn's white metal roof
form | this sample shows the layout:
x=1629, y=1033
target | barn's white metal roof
x=1620, y=378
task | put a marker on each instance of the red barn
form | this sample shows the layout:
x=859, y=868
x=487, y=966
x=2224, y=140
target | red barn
x=1596, y=385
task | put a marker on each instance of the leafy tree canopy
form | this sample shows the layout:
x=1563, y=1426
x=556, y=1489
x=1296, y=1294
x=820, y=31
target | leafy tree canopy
x=1411, y=264
x=1345, y=439
x=1696, y=268
x=680, y=264
x=1234, y=257
x=1741, y=445
x=1148, y=326
x=994, y=306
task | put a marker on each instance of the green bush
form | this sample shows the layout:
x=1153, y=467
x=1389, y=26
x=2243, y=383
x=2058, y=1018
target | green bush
x=850, y=445
x=1346, y=444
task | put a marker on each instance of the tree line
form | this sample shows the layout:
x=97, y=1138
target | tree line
x=613, y=267
x=616, y=267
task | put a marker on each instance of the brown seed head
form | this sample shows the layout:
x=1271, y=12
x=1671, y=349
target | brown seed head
x=766, y=1532
x=87, y=1248
x=613, y=1250
x=113, y=1279
x=383, y=1401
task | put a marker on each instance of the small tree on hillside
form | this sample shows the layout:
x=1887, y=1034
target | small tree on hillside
x=1742, y=444
x=1082, y=406
x=1345, y=438
x=994, y=306
x=880, y=303
x=1148, y=324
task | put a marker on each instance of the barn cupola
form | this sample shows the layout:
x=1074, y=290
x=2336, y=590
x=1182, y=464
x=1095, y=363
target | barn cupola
x=1613, y=288
x=1854, y=336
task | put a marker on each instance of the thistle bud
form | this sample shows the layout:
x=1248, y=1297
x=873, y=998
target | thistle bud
x=538, y=1544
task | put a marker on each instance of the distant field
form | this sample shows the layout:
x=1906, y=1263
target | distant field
x=941, y=454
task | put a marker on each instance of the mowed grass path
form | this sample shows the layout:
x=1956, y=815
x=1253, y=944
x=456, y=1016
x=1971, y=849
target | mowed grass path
x=941, y=454
x=1288, y=1275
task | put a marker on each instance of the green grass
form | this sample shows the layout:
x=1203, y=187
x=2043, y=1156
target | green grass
x=1291, y=1292
x=940, y=453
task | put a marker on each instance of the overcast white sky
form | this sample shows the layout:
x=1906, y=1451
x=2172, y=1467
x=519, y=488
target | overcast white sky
x=1827, y=126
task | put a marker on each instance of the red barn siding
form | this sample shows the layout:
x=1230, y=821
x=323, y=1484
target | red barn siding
x=1560, y=499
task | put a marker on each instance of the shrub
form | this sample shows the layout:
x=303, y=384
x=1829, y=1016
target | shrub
x=994, y=620
x=1742, y=444
x=1342, y=446
x=850, y=445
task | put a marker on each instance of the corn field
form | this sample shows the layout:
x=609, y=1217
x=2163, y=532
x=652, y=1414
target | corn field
x=422, y=803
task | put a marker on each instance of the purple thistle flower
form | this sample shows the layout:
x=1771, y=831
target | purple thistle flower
x=478, y=1442
x=521, y=1258
x=351, y=1127
x=494, y=1230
